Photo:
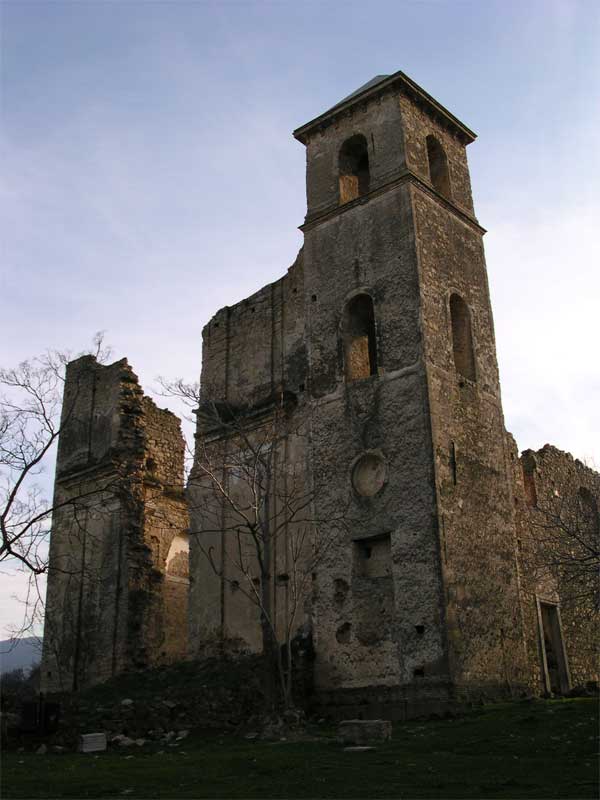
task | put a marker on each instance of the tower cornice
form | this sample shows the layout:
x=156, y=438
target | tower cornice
x=405, y=177
x=396, y=81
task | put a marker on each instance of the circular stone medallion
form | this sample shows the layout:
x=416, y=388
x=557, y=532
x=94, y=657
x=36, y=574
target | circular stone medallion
x=369, y=474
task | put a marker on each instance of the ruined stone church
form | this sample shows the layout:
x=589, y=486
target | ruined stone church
x=379, y=342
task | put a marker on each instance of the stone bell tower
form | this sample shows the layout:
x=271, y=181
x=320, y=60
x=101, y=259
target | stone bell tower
x=420, y=604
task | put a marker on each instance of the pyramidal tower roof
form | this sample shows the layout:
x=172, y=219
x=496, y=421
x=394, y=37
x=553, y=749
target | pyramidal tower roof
x=374, y=87
x=373, y=82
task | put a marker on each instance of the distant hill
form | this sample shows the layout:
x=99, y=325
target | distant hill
x=20, y=653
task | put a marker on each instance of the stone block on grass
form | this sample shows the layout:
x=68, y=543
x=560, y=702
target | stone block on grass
x=92, y=743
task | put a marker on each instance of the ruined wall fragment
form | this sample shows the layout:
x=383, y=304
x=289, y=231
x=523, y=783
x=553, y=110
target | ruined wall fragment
x=119, y=485
x=254, y=363
x=424, y=597
x=557, y=525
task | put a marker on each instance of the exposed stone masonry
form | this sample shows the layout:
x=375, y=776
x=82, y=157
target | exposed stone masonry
x=383, y=331
x=111, y=603
x=558, y=524
x=449, y=583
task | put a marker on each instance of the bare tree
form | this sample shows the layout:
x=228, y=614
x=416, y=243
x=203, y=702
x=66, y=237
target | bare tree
x=258, y=499
x=31, y=420
x=565, y=543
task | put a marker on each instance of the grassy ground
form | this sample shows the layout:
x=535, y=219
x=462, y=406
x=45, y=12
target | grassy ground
x=526, y=750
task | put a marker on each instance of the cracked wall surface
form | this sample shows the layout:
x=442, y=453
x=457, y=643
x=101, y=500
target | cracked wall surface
x=371, y=365
x=557, y=529
x=422, y=600
x=111, y=603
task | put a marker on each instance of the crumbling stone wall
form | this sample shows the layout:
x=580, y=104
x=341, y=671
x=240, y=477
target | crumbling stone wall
x=379, y=622
x=249, y=466
x=119, y=488
x=376, y=352
x=165, y=530
x=422, y=600
x=255, y=348
x=556, y=535
x=253, y=354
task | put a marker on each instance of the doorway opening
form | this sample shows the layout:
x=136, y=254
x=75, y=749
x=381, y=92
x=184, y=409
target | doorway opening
x=554, y=658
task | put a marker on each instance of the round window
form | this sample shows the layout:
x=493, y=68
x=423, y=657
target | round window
x=369, y=474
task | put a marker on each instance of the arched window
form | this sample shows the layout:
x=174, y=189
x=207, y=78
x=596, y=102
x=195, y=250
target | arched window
x=462, y=340
x=353, y=168
x=177, y=564
x=438, y=166
x=360, y=345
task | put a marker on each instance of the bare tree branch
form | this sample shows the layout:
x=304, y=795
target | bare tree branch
x=32, y=418
x=263, y=506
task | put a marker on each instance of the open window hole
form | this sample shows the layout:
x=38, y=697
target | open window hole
x=420, y=629
x=372, y=557
x=360, y=339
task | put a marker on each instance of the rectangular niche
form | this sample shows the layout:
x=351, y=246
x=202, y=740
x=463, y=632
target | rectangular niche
x=372, y=557
x=372, y=597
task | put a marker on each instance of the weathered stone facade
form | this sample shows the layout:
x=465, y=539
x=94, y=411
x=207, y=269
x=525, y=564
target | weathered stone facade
x=379, y=344
x=557, y=522
x=118, y=585
x=383, y=332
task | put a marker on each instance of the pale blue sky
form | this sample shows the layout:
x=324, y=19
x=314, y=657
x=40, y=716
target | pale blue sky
x=150, y=175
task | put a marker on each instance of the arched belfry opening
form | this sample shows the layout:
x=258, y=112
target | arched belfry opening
x=360, y=341
x=462, y=339
x=354, y=168
x=438, y=166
